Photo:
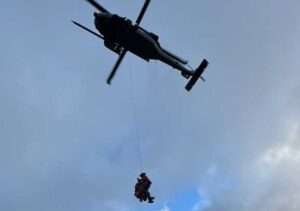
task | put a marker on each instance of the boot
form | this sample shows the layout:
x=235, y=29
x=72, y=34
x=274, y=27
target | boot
x=150, y=200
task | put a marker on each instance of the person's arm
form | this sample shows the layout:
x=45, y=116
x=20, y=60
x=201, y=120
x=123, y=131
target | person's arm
x=148, y=180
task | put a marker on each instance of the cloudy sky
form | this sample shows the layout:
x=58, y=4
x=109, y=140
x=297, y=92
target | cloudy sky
x=68, y=142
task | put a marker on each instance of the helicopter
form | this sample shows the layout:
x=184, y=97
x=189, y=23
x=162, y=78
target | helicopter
x=120, y=35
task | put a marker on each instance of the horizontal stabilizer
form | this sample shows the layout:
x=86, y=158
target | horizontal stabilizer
x=197, y=74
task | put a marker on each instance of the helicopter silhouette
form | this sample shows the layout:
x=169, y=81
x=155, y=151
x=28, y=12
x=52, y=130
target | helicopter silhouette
x=120, y=35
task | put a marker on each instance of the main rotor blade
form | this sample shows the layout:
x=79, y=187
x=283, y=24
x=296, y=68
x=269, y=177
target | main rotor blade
x=143, y=11
x=88, y=30
x=97, y=6
x=116, y=66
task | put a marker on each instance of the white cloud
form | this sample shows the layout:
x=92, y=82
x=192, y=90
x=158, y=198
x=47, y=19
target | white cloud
x=280, y=154
x=165, y=208
x=286, y=151
x=203, y=203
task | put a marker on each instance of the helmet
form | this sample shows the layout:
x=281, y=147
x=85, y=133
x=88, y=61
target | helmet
x=142, y=174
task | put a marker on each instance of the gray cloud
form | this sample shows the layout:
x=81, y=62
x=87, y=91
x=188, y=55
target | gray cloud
x=68, y=142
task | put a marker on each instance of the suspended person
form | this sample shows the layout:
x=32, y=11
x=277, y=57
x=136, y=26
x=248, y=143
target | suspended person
x=142, y=188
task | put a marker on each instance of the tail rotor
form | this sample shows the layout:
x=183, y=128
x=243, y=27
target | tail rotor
x=196, y=75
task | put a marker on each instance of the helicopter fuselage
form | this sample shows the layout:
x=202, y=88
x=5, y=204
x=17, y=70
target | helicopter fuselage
x=119, y=32
x=121, y=36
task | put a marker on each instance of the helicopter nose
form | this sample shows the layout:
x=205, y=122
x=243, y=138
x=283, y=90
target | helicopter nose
x=101, y=22
x=102, y=18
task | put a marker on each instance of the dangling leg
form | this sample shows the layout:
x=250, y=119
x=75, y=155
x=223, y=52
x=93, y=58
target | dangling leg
x=149, y=197
x=144, y=196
